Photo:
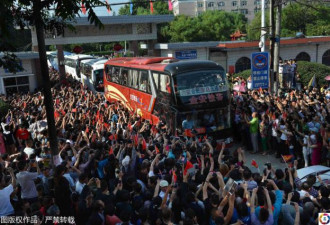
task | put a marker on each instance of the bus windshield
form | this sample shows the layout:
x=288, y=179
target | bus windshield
x=200, y=87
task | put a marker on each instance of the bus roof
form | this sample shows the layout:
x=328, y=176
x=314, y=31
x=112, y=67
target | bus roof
x=80, y=56
x=168, y=64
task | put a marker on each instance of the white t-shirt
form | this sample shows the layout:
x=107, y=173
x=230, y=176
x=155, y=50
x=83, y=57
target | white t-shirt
x=29, y=151
x=79, y=187
x=26, y=180
x=283, y=136
x=5, y=206
x=275, y=124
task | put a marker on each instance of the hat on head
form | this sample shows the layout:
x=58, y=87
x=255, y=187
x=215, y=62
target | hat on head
x=163, y=183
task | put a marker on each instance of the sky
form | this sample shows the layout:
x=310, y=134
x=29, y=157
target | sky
x=102, y=11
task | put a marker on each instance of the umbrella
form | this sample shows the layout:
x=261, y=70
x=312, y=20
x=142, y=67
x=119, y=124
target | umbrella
x=327, y=78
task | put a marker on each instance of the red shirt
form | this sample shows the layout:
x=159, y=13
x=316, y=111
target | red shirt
x=22, y=134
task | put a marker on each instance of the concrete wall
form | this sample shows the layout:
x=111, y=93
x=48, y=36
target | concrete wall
x=229, y=58
x=29, y=70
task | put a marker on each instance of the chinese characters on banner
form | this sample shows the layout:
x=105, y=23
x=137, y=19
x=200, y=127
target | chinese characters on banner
x=201, y=99
x=260, y=70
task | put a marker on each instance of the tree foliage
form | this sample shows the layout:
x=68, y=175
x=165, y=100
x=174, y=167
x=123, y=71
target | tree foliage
x=309, y=17
x=209, y=26
x=143, y=8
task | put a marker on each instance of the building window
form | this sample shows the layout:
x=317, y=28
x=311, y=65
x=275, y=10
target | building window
x=210, y=4
x=257, y=2
x=244, y=11
x=220, y=4
x=200, y=4
x=256, y=10
x=199, y=13
x=243, y=3
x=235, y=10
x=234, y=3
x=16, y=85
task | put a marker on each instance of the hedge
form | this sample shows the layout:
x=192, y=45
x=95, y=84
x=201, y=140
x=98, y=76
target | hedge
x=306, y=70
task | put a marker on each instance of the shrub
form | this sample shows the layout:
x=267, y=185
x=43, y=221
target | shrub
x=308, y=69
x=245, y=74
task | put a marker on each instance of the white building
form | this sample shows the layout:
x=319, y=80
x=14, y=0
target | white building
x=23, y=81
x=196, y=7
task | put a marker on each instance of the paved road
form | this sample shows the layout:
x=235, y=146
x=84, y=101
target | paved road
x=261, y=160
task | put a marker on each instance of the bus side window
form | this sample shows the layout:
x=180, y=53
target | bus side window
x=115, y=75
x=156, y=79
x=165, y=84
x=144, y=84
x=123, y=77
x=133, y=79
x=108, y=74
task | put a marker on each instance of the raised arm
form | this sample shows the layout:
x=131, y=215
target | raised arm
x=254, y=192
x=269, y=202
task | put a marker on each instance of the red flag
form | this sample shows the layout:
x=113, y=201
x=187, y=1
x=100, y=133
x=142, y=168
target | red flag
x=63, y=112
x=57, y=101
x=111, y=137
x=260, y=89
x=287, y=158
x=129, y=126
x=56, y=114
x=144, y=144
x=116, y=137
x=110, y=151
x=136, y=140
x=188, y=166
x=87, y=130
x=188, y=133
x=175, y=177
x=254, y=163
x=157, y=150
x=108, y=9
x=97, y=115
x=74, y=110
x=83, y=8
x=24, y=104
x=106, y=125
x=167, y=147
x=151, y=7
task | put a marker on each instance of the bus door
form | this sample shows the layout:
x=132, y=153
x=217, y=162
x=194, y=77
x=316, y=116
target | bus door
x=163, y=106
x=140, y=92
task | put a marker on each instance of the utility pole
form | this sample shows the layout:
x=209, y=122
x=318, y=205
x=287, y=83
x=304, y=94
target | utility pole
x=271, y=44
x=277, y=42
x=263, y=27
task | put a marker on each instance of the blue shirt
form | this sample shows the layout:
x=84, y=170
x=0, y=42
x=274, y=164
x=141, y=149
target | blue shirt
x=188, y=124
x=100, y=167
x=277, y=206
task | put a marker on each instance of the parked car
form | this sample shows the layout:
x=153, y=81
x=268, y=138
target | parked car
x=322, y=171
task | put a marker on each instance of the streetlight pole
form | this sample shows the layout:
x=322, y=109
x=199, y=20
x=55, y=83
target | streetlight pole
x=263, y=27
x=271, y=44
x=277, y=41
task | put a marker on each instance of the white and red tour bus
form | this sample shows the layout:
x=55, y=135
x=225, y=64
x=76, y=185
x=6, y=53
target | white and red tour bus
x=166, y=89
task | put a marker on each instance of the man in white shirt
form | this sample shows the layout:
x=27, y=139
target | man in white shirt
x=26, y=180
x=28, y=148
x=6, y=209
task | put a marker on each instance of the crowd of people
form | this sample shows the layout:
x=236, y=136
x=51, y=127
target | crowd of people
x=115, y=168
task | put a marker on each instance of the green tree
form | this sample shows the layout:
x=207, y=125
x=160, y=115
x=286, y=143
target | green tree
x=310, y=19
x=209, y=26
x=254, y=27
x=35, y=13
